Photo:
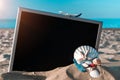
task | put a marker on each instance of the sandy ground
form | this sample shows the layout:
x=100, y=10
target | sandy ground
x=6, y=38
x=109, y=50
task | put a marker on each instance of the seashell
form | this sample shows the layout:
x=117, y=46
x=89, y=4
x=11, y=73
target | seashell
x=94, y=73
x=85, y=52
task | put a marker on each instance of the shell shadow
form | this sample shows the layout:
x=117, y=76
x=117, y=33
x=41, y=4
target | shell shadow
x=20, y=76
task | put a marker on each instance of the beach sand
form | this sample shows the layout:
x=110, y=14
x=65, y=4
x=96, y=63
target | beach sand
x=6, y=38
x=109, y=49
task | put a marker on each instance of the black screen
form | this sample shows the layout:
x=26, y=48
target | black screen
x=46, y=42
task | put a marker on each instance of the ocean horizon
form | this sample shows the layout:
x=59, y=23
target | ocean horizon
x=7, y=23
x=107, y=23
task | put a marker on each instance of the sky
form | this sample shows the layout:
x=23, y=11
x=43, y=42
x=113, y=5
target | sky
x=88, y=8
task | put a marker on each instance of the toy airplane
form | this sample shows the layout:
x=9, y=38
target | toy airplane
x=70, y=15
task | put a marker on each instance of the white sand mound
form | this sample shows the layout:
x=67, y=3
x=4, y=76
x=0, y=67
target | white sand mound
x=64, y=73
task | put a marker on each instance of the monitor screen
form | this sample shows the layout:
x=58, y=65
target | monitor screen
x=44, y=41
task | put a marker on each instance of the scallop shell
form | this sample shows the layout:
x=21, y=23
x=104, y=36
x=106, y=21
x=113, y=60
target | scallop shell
x=95, y=73
x=83, y=52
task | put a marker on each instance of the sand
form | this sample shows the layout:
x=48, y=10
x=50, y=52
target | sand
x=64, y=73
x=6, y=38
x=109, y=50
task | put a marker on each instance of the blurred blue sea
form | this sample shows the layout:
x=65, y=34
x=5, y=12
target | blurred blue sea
x=107, y=22
x=7, y=23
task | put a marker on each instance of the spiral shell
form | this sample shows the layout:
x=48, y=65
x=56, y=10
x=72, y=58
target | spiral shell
x=83, y=52
x=95, y=73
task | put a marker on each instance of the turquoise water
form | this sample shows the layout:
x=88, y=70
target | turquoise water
x=107, y=22
x=7, y=23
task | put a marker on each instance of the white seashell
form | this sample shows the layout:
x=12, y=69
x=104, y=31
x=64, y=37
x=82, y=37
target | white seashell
x=83, y=52
x=94, y=73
